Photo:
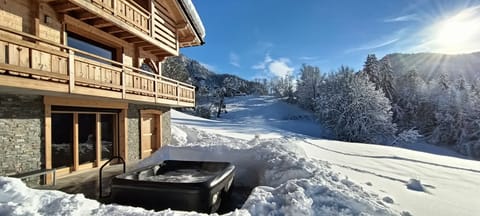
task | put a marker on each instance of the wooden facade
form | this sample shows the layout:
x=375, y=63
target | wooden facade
x=36, y=58
x=34, y=49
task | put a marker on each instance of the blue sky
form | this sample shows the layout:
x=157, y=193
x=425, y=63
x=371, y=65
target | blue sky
x=265, y=38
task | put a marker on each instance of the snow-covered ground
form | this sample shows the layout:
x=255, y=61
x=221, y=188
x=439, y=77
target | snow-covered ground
x=279, y=149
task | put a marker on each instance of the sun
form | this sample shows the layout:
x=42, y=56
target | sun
x=458, y=33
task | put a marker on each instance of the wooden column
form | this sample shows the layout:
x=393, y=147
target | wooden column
x=75, y=142
x=123, y=132
x=48, y=142
x=98, y=142
x=35, y=13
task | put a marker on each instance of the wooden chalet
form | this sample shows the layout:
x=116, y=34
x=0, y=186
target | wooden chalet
x=80, y=80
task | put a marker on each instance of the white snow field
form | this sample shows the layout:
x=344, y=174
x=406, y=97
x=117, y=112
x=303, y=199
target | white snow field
x=279, y=149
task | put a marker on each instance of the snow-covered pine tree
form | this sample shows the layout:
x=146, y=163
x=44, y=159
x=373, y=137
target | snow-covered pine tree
x=410, y=100
x=371, y=70
x=351, y=107
x=385, y=73
x=307, y=86
x=175, y=68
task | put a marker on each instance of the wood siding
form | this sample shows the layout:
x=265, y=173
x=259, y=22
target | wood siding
x=59, y=65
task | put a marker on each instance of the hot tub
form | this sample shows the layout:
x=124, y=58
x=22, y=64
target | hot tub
x=181, y=185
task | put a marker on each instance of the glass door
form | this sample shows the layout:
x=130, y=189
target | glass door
x=108, y=135
x=62, y=140
x=87, y=141
x=82, y=140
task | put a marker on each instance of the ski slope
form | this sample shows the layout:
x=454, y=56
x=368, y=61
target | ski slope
x=451, y=183
x=278, y=149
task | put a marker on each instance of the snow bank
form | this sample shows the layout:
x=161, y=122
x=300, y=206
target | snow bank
x=288, y=182
x=17, y=199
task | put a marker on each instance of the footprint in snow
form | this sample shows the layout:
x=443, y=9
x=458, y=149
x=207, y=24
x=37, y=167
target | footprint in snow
x=388, y=199
x=415, y=184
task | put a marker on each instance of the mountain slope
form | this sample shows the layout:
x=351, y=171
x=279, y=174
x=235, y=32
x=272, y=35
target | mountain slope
x=188, y=70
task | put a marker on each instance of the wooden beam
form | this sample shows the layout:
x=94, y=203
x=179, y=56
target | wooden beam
x=161, y=58
x=181, y=25
x=77, y=102
x=112, y=29
x=85, y=16
x=86, y=30
x=148, y=48
x=124, y=35
x=134, y=40
x=142, y=44
x=100, y=23
x=158, y=52
x=187, y=38
x=65, y=7
x=127, y=37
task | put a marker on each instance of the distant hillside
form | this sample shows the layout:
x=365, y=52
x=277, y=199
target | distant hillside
x=431, y=65
x=190, y=71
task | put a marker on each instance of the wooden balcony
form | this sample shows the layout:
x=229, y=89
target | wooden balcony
x=31, y=63
x=151, y=25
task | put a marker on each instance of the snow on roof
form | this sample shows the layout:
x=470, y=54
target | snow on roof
x=194, y=18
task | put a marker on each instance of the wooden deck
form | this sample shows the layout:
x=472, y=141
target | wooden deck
x=29, y=62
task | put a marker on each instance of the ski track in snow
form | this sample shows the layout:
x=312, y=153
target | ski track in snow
x=394, y=158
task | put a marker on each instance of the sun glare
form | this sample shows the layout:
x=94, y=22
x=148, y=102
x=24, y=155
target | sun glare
x=458, y=33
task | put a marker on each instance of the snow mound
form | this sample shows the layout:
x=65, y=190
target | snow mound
x=17, y=199
x=286, y=181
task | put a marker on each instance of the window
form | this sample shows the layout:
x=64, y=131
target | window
x=75, y=133
x=90, y=46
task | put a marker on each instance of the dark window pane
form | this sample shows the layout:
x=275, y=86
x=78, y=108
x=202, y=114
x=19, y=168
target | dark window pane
x=108, y=131
x=86, y=138
x=90, y=46
x=62, y=140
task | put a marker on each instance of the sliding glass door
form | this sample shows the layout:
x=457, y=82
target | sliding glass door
x=82, y=139
x=62, y=140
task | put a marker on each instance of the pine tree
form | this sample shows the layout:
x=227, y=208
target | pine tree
x=175, y=68
x=386, y=78
x=307, y=86
x=371, y=70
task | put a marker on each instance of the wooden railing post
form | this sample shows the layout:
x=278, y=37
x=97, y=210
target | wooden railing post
x=114, y=6
x=178, y=92
x=71, y=70
x=152, y=19
x=155, y=86
x=193, y=97
x=124, y=84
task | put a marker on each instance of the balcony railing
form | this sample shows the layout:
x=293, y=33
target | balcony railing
x=30, y=57
x=128, y=11
x=155, y=24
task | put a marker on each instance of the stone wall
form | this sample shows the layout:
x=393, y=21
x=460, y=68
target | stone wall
x=21, y=133
x=134, y=128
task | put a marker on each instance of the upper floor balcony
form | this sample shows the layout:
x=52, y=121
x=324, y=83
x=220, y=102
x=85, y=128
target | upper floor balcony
x=30, y=63
x=158, y=26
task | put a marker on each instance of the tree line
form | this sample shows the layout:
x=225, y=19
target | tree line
x=380, y=105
